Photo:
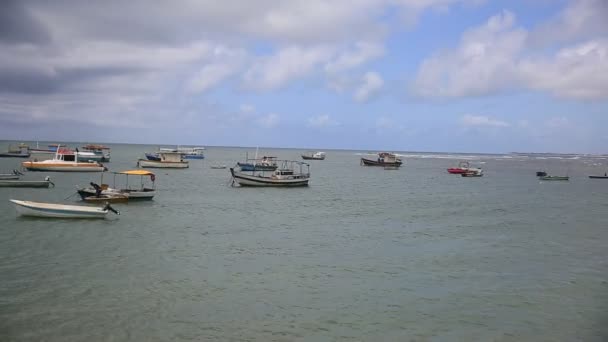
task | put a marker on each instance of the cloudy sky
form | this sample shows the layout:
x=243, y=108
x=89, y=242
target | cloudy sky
x=427, y=75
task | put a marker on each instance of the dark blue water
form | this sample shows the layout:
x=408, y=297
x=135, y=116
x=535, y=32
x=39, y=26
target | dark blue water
x=362, y=254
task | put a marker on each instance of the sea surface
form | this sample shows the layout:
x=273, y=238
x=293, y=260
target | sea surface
x=363, y=254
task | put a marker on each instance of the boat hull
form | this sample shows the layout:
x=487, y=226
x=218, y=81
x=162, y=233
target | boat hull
x=312, y=158
x=14, y=155
x=598, y=177
x=554, y=178
x=370, y=162
x=35, y=209
x=24, y=184
x=9, y=177
x=63, y=167
x=106, y=199
x=152, y=156
x=193, y=156
x=144, y=163
x=256, y=181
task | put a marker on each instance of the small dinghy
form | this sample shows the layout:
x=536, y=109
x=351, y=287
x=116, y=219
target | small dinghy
x=39, y=209
x=472, y=174
x=218, y=167
x=26, y=184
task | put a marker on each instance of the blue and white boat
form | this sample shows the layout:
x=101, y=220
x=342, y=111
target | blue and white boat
x=187, y=152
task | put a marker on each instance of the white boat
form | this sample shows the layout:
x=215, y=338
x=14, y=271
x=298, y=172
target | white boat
x=168, y=160
x=64, y=161
x=138, y=192
x=39, y=209
x=284, y=176
x=314, y=156
x=187, y=152
x=218, y=167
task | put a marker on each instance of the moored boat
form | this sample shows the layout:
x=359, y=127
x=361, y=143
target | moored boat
x=26, y=184
x=263, y=164
x=20, y=152
x=152, y=156
x=541, y=173
x=605, y=176
x=64, y=161
x=168, y=160
x=11, y=176
x=218, y=167
x=314, y=156
x=284, y=176
x=478, y=173
x=384, y=159
x=100, y=153
x=555, y=178
x=52, y=210
x=138, y=192
x=463, y=167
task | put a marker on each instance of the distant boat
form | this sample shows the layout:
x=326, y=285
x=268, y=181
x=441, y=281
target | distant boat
x=107, y=198
x=63, y=162
x=101, y=152
x=314, y=156
x=463, y=167
x=21, y=152
x=141, y=192
x=555, y=178
x=187, y=152
x=4, y=183
x=605, y=176
x=470, y=173
x=51, y=210
x=168, y=160
x=384, y=159
x=218, y=166
x=152, y=156
x=263, y=164
x=285, y=176
x=541, y=173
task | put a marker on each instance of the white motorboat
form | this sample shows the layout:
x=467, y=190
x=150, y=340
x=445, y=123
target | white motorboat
x=314, y=156
x=52, y=210
x=168, y=160
x=4, y=183
x=64, y=161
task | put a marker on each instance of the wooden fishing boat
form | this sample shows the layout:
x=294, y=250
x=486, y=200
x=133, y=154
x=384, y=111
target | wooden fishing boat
x=263, y=164
x=26, y=184
x=52, y=210
x=20, y=152
x=314, y=156
x=285, y=176
x=555, y=178
x=138, y=192
x=64, y=161
x=384, y=159
x=168, y=160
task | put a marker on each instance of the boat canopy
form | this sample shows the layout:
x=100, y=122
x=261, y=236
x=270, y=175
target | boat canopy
x=137, y=173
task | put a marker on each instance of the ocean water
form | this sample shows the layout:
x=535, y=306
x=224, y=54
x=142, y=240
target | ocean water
x=363, y=254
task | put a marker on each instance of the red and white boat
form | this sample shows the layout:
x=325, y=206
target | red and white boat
x=463, y=167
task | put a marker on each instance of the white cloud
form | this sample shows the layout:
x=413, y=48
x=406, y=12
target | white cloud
x=480, y=121
x=288, y=63
x=247, y=108
x=498, y=56
x=360, y=54
x=372, y=83
x=269, y=121
x=321, y=121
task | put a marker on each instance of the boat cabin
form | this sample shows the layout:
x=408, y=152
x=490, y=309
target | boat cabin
x=171, y=156
x=287, y=174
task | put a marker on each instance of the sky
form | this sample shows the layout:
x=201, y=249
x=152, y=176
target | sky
x=404, y=75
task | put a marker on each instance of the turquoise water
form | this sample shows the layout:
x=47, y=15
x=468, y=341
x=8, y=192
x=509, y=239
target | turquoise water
x=362, y=254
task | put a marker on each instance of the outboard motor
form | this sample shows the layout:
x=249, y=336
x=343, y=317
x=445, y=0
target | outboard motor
x=97, y=188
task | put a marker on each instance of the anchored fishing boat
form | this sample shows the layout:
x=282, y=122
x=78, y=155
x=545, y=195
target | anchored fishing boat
x=314, y=156
x=26, y=184
x=218, y=167
x=471, y=173
x=168, y=160
x=284, y=176
x=384, y=159
x=52, y=210
x=138, y=192
x=20, y=152
x=64, y=161
x=152, y=156
x=463, y=167
x=263, y=164
x=555, y=178
x=100, y=153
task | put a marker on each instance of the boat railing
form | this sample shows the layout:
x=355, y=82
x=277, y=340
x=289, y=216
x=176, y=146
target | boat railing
x=284, y=164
